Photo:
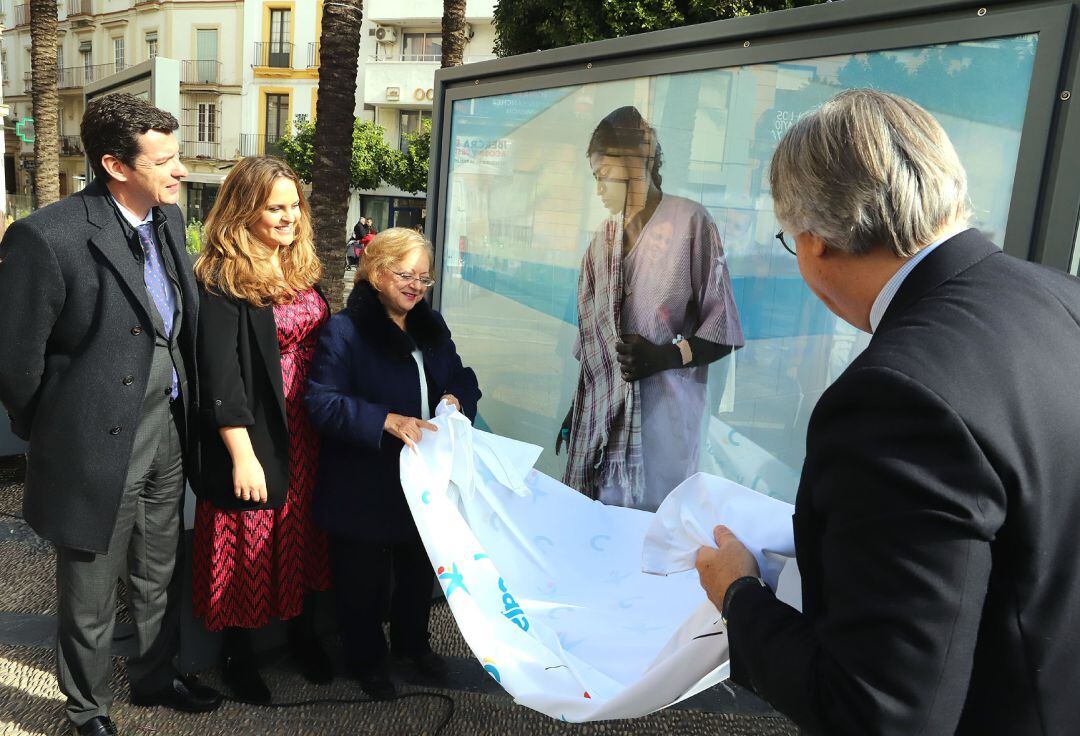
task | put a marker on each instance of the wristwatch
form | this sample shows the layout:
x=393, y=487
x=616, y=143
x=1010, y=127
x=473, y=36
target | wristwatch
x=743, y=582
x=684, y=349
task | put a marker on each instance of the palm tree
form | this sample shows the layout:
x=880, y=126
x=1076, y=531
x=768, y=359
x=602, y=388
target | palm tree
x=338, y=52
x=453, y=33
x=43, y=42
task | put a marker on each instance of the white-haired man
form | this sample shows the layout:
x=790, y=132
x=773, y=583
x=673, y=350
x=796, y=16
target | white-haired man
x=936, y=516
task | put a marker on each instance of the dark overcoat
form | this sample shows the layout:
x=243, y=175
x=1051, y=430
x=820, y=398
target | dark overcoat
x=937, y=516
x=76, y=344
x=363, y=370
x=241, y=384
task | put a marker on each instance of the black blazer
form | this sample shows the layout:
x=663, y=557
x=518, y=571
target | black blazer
x=76, y=345
x=240, y=367
x=936, y=518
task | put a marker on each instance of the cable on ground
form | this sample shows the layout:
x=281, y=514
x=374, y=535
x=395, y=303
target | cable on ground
x=443, y=722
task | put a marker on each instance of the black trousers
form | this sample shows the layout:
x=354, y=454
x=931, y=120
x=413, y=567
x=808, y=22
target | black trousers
x=366, y=577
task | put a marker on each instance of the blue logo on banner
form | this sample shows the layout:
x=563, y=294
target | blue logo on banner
x=511, y=609
x=453, y=578
x=491, y=669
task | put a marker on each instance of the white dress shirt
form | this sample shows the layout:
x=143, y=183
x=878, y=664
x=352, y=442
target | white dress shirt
x=885, y=296
x=133, y=219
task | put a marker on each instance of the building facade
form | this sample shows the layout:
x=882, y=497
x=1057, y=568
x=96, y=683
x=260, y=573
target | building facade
x=400, y=50
x=248, y=69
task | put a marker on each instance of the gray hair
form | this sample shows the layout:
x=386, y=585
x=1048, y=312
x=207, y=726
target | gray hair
x=868, y=169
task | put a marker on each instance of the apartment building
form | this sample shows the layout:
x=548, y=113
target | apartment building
x=247, y=66
x=400, y=50
x=248, y=69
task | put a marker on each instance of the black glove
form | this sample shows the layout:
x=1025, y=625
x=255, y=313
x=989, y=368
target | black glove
x=639, y=358
x=564, y=431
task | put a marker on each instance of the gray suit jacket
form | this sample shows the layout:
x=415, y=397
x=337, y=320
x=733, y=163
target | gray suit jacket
x=79, y=337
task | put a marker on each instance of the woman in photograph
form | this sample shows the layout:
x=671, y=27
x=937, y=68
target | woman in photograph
x=382, y=366
x=655, y=308
x=258, y=555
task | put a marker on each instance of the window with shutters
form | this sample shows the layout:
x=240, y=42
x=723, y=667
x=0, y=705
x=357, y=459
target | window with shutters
x=118, y=54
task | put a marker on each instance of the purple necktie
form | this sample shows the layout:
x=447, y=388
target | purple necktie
x=157, y=284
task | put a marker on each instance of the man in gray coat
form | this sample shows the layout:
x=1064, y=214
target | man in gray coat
x=97, y=370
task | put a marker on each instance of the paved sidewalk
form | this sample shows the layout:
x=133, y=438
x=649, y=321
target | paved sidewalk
x=468, y=704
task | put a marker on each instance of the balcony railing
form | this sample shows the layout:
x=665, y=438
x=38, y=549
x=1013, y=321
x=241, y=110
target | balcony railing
x=201, y=149
x=22, y=14
x=257, y=144
x=276, y=54
x=312, y=55
x=72, y=77
x=80, y=7
x=469, y=59
x=200, y=71
x=71, y=145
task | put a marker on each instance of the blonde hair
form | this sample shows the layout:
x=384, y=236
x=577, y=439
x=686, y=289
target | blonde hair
x=233, y=262
x=389, y=247
x=868, y=169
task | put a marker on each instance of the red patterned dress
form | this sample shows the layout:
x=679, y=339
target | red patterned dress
x=251, y=566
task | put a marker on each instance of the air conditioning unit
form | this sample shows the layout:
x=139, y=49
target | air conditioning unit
x=386, y=34
x=393, y=94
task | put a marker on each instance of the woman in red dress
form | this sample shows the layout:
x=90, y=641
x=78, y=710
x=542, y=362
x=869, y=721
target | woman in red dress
x=257, y=553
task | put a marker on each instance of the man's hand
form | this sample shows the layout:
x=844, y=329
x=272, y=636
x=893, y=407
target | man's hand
x=718, y=568
x=639, y=358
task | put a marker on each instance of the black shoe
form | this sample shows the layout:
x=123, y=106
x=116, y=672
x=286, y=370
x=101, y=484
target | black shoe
x=245, y=682
x=430, y=665
x=98, y=726
x=377, y=683
x=314, y=662
x=183, y=694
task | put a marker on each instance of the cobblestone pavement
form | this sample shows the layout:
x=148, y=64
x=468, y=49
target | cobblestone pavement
x=469, y=703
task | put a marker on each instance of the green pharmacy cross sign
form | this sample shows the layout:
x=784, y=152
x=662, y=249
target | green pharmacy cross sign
x=25, y=130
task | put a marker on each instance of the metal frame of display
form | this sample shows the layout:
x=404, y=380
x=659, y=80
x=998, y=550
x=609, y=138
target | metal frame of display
x=1045, y=207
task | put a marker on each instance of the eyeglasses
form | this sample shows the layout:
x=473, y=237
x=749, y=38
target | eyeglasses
x=407, y=278
x=790, y=249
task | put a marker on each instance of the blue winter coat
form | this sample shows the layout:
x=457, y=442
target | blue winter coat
x=363, y=370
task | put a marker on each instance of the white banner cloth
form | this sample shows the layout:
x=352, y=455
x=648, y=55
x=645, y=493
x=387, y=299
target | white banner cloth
x=685, y=521
x=547, y=586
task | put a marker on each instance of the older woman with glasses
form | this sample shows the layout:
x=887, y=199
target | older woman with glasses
x=381, y=367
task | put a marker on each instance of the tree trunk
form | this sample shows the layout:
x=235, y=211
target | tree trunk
x=339, y=48
x=46, y=100
x=453, y=33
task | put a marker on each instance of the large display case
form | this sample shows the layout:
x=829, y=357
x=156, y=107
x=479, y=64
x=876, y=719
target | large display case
x=515, y=201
